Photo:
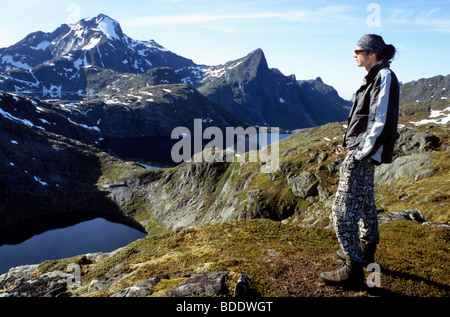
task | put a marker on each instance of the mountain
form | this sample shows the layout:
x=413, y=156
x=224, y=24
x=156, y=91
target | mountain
x=53, y=65
x=251, y=90
x=418, y=97
x=95, y=41
x=154, y=111
x=87, y=59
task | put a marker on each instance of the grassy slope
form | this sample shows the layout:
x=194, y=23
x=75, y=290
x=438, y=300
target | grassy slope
x=281, y=259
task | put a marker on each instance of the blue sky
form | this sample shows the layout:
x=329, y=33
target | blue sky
x=307, y=38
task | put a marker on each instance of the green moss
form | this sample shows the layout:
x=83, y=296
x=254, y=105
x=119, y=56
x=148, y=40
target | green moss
x=166, y=285
x=61, y=265
x=135, y=205
x=113, y=169
x=414, y=259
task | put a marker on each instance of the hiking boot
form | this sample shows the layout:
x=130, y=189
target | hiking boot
x=368, y=250
x=350, y=273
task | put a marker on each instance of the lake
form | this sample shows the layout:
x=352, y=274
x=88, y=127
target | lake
x=155, y=151
x=95, y=235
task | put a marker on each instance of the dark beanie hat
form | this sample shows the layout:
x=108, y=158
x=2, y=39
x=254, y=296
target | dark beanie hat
x=372, y=43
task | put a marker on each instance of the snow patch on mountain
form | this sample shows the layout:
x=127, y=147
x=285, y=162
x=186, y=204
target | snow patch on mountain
x=41, y=46
x=8, y=59
x=93, y=42
x=437, y=117
x=9, y=116
x=108, y=27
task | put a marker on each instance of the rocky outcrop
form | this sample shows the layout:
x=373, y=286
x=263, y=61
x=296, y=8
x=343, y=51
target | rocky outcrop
x=262, y=96
x=426, y=89
x=412, y=215
x=25, y=281
x=412, y=141
x=304, y=185
x=414, y=166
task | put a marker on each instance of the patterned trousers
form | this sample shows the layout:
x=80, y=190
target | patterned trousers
x=354, y=211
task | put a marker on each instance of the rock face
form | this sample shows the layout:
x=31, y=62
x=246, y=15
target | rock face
x=250, y=89
x=413, y=142
x=24, y=284
x=412, y=215
x=200, y=181
x=201, y=284
x=403, y=167
x=425, y=89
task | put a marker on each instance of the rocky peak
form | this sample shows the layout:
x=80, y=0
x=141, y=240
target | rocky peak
x=97, y=41
x=103, y=23
x=87, y=34
x=255, y=62
x=44, y=62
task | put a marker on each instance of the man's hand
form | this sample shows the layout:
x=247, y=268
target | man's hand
x=340, y=149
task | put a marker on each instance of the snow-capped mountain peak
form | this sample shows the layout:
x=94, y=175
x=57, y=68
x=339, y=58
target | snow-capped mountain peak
x=43, y=61
x=101, y=23
x=86, y=34
x=102, y=36
x=109, y=27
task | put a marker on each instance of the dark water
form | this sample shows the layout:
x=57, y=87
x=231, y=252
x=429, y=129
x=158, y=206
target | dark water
x=155, y=151
x=96, y=235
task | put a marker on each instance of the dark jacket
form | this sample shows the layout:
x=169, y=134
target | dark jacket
x=372, y=123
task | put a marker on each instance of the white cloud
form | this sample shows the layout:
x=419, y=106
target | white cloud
x=430, y=19
x=326, y=14
x=195, y=18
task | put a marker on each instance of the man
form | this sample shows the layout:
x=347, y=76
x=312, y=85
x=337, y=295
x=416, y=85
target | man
x=370, y=139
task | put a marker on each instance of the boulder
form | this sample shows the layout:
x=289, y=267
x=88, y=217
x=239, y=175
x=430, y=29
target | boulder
x=403, y=167
x=201, y=284
x=52, y=284
x=17, y=275
x=142, y=288
x=410, y=214
x=304, y=185
x=413, y=142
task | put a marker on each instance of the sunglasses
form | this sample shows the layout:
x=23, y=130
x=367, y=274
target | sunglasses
x=357, y=52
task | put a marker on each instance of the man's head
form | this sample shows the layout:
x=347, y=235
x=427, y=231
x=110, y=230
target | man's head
x=365, y=58
x=370, y=49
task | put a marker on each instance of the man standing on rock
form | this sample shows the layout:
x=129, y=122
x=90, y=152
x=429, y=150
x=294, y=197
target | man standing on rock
x=370, y=138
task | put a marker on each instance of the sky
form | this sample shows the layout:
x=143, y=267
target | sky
x=307, y=38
